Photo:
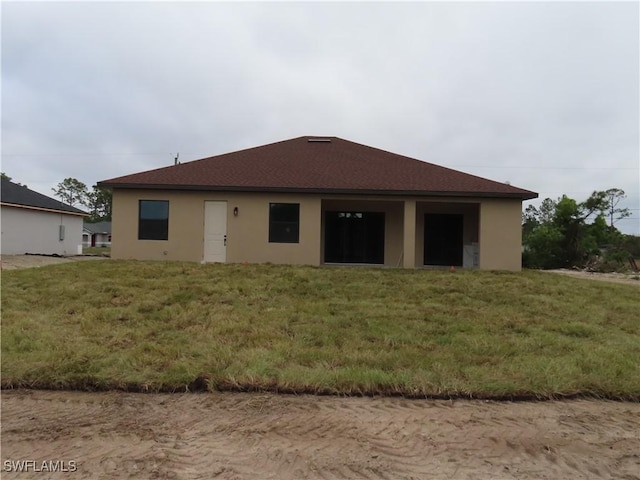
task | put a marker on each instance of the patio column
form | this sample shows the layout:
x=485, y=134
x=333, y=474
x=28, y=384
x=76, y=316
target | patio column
x=409, y=237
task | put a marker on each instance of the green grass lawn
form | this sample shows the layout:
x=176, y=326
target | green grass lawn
x=169, y=326
x=96, y=251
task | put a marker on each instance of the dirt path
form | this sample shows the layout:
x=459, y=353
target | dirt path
x=622, y=278
x=15, y=262
x=251, y=436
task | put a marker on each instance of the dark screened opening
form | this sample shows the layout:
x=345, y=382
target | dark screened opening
x=354, y=237
x=443, y=239
x=284, y=222
x=153, y=220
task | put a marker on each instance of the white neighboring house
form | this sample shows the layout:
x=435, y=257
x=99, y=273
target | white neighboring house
x=37, y=224
x=96, y=234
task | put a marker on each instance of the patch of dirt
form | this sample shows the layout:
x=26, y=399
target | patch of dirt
x=15, y=262
x=623, y=278
x=267, y=436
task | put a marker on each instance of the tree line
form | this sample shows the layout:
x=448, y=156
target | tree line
x=565, y=233
x=98, y=200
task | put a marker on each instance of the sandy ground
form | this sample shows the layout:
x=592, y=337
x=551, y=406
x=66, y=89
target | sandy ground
x=623, y=278
x=14, y=262
x=266, y=436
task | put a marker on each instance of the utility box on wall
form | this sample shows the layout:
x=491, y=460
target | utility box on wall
x=470, y=256
x=61, y=233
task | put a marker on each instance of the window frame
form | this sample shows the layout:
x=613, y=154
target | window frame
x=277, y=227
x=151, y=232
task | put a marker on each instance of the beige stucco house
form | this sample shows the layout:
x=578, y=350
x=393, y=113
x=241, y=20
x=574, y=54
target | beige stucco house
x=37, y=224
x=317, y=201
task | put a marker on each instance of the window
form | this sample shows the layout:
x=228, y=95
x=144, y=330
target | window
x=349, y=215
x=153, y=221
x=284, y=222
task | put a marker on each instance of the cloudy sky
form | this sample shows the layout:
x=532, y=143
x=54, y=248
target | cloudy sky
x=543, y=95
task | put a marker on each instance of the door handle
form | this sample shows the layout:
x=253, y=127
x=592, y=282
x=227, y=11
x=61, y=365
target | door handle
x=225, y=240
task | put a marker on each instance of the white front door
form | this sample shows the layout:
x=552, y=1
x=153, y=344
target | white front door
x=215, y=232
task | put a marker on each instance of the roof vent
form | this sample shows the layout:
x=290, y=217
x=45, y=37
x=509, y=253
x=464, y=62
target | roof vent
x=319, y=139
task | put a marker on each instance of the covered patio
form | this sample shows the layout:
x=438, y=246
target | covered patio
x=400, y=233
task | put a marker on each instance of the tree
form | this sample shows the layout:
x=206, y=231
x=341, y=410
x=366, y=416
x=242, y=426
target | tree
x=4, y=175
x=72, y=192
x=533, y=217
x=560, y=233
x=99, y=203
x=543, y=248
x=530, y=220
x=547, y=209
x=613, y=197
x=568, y=219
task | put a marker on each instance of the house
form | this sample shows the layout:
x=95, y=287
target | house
x=96, y=234
x=34, y=223
x=317, y=201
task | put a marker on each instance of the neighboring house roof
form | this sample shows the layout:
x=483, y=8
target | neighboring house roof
x=16, y=195
x=318, y=164
x=98, y=227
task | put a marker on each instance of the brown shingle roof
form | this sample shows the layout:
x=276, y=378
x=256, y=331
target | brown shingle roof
x=332, y=165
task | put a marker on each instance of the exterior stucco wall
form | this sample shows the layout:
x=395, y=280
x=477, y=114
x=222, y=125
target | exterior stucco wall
x=501, y=235
x=102, y=240
x=493, y=224
x=247, y=233
x=34, y=231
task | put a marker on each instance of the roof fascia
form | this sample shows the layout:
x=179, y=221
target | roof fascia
x=42, y=209
x=525, y=195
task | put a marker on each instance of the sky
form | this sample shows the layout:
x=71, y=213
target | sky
x=543, y=95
